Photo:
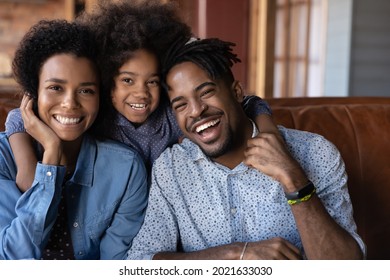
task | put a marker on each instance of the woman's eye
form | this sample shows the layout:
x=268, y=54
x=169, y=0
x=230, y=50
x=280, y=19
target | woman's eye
x=87, y=91
x=54, y=88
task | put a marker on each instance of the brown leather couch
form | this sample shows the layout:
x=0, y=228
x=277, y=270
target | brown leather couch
x=360, y=128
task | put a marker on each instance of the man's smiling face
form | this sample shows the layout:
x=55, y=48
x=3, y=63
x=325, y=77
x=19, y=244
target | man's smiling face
x=206, y=110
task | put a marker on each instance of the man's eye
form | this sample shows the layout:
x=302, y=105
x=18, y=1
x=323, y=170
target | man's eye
x=179, y=107
x=207, y=92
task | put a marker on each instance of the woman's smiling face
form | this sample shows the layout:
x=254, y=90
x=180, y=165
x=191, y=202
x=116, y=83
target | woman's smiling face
x=68, y=95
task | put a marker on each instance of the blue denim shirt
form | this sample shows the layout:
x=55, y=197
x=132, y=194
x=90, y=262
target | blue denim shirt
x=106, y=198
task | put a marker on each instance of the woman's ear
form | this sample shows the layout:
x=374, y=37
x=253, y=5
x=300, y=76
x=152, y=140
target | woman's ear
x=238, y=91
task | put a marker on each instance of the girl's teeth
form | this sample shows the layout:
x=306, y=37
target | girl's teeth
x=138, y=106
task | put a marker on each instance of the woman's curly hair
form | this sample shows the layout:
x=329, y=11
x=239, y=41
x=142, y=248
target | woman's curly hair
x=42, y=41
x=46, y=39
x=122, y=27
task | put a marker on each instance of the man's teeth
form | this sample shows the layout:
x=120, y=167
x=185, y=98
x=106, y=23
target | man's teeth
x=65, y=120
x=206, y=125
x=138, y=106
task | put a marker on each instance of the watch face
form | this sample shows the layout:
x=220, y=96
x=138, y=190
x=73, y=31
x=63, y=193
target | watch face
x=306, y=190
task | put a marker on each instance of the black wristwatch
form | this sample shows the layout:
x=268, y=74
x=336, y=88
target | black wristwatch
x=306, y=190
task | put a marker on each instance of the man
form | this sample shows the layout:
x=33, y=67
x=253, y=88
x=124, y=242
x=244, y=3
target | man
x=229, y=191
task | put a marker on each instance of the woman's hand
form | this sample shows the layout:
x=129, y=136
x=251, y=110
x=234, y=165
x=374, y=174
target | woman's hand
x=49, y=140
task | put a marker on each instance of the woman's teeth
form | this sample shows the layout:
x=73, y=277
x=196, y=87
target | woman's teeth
x=65, y=120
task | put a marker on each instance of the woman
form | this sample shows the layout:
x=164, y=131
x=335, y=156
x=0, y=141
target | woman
x=76, y=207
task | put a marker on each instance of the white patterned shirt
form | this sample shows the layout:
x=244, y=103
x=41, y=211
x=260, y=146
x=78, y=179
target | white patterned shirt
x=195, y=203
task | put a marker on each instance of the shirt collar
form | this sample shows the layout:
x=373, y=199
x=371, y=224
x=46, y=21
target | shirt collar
x=255, y=131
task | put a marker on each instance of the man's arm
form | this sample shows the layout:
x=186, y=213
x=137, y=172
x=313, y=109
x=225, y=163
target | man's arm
x=322, y=237
x=272, y=249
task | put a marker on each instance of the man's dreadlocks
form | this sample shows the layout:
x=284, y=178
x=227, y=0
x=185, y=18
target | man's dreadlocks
x=212, y=55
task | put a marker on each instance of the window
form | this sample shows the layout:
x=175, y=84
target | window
x=298, y=53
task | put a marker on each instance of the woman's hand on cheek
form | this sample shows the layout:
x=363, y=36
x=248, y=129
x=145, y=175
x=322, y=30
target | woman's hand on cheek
x=42, y=133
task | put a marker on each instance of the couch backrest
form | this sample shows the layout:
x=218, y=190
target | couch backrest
x=360, y=128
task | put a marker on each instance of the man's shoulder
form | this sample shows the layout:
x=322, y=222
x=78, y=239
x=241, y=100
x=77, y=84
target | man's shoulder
x=299, y=137
x=309, y=145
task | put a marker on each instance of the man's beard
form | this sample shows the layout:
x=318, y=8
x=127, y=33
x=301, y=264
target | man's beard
x=222, y=149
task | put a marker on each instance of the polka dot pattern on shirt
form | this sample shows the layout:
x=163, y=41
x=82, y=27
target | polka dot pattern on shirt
x=59, y=246
x=203, y=204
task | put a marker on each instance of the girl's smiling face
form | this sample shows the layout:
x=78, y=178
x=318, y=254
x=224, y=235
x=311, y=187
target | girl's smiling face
x=136, y=93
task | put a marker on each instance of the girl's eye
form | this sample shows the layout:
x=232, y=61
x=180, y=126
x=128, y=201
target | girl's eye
x=127, y=80
x=154, y=83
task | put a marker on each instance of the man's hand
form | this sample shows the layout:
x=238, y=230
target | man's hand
x=272, y=249
x=268, y=154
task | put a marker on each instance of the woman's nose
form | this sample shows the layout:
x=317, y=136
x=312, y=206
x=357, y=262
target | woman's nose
x=70, y=101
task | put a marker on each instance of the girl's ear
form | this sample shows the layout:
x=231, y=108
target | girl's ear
x=238, y=91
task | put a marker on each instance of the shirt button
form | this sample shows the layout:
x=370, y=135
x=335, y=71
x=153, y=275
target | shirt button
x=75, y=224
x=80, y=253
x=48, y=173
x=233, y=211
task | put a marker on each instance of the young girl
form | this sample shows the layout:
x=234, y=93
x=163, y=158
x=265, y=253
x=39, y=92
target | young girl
x=75, y=208
x=132, y=37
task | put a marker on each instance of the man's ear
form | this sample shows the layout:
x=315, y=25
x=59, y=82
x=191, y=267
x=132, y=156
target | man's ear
x=238, y=91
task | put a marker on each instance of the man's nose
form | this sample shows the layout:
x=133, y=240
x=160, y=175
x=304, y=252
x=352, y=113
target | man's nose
x=197, y=108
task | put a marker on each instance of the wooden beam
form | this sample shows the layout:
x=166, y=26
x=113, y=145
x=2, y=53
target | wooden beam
x=261, y=47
